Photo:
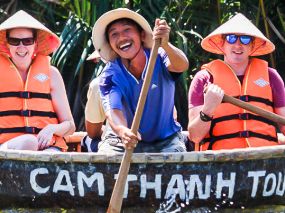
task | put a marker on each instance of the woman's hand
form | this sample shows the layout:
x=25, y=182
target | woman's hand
x=45, y=136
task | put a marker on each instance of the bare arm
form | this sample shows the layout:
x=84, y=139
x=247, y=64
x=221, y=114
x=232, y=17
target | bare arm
x=66, y=124
x=118, y=123
x=94, y=113
x=178, y=60
x=280, y=111
x=197, y=128
x=60, y=103
x=94, y=130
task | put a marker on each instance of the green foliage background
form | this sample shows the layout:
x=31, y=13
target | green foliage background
x=190, y=20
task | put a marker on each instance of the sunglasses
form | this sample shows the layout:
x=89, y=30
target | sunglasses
x=244, y=39
x=16, y=41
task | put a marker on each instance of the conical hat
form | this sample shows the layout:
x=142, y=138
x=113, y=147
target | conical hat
x=94, y=56
x=239, y=24
x=47, y=41
x=98, y=32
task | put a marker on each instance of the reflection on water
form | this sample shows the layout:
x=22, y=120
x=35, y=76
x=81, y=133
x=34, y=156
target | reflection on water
x=173, y=205
x=186, y=209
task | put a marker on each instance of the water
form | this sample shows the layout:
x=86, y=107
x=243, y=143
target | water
x=260, y=209
x=172, y=205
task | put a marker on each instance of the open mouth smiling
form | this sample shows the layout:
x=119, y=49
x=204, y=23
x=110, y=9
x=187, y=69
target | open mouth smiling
x=125, y=46
x=21, y=54
x=238, y=52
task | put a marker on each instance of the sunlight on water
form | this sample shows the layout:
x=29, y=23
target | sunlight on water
x=174, y=204
x=170, y=206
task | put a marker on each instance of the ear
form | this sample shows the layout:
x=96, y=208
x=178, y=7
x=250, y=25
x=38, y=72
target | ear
x=143, y=35
x=36, y=47
x=35, y=50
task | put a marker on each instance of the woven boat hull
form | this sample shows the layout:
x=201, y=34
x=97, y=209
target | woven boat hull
x=236, y=178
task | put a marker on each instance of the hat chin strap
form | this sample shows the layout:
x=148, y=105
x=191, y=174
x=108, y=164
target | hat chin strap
x=216, y=46
x=264, y=42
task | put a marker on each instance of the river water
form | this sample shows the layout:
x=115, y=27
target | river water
x=260, y=209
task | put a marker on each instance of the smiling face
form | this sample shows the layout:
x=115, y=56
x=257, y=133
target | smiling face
x=21, y=54
x=125, y=38
x=237, y=53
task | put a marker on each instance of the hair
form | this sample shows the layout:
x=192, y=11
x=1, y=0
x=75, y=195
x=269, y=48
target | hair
x=34, y=31
x=125, y=20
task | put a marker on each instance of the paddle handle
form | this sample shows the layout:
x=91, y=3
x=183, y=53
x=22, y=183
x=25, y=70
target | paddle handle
x=257, y=110
x=115, y=204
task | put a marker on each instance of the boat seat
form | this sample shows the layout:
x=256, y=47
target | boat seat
x=74, y=141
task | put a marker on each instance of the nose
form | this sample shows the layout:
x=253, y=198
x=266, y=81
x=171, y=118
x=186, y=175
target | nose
x=238, y=43
x=21, y=43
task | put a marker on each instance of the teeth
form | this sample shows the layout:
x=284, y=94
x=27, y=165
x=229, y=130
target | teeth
x=125, y=45
x=21, y=54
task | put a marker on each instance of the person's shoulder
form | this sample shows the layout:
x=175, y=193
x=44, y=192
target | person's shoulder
x=272, y=70
x=203, y=73
x=112, y=67
x=54, y=70
x=274, y=76
x=54, y=73
x=95, y=82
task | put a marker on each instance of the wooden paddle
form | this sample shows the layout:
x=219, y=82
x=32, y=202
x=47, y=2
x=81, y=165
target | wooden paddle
x=118, y=191
x=257, y=110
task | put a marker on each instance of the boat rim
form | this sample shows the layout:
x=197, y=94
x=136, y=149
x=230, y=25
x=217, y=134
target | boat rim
x=267, y=152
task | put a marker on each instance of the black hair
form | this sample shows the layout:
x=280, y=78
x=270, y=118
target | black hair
x=125, y=20
x=34, y=31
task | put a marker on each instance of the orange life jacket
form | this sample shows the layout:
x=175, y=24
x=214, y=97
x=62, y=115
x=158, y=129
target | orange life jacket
x=233, y=127
x=26, y=108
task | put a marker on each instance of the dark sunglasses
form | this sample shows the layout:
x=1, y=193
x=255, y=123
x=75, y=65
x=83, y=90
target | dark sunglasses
x=244, y=39
x=16, y=41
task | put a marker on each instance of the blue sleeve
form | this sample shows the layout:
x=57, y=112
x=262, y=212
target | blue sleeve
x=110, y=94
x=164, y=57
x=165, y=61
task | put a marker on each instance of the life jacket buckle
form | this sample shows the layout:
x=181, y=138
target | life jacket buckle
x=26, y=113
x=244, y=98
x=30, y=130
x=243, y=116
x=244, y=134
x=25, y=94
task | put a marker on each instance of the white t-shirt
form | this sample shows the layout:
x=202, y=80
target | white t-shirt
x=94, y=112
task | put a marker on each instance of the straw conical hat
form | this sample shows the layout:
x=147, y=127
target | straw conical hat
x=98, y=32
x=94, y=56
x=239, y=24
x=47, y=41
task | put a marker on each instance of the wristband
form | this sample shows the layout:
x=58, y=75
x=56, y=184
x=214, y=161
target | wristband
x=204, y=117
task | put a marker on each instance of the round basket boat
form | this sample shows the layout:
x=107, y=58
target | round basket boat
x=235, y=178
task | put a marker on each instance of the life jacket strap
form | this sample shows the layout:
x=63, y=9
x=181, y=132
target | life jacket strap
x=28, y=113
x=243, y=116
x=250, y=98
x=25, y=94
x=240, y=134
x=25, y=129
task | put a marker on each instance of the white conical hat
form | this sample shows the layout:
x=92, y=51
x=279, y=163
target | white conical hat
x=47, y=41
x=239, y=24
x=98, y=33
